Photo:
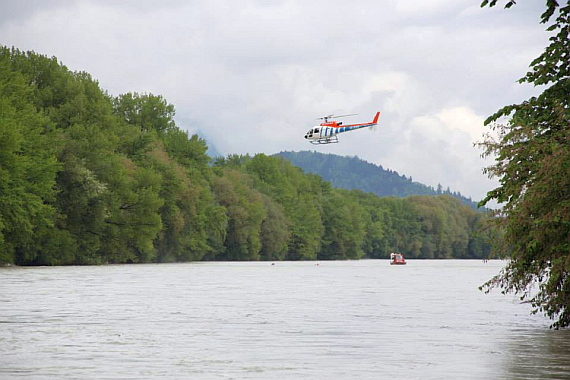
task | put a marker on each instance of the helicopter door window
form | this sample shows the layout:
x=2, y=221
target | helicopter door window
x=316, y=130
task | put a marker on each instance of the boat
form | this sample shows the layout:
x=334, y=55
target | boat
x=397, y=259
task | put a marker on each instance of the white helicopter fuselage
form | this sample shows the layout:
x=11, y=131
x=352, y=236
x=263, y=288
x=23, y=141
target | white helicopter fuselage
x=327, y=134
x=323, y=134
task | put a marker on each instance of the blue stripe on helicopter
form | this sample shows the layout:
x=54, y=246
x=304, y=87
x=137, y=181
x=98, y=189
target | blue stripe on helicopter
x=346, y=129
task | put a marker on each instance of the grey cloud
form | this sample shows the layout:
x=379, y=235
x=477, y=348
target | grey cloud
x=23, y=9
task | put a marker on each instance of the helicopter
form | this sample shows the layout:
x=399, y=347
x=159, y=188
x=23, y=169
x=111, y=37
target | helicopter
x=326, y=132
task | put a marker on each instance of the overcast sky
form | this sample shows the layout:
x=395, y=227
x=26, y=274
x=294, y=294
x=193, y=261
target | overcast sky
x=252, y=76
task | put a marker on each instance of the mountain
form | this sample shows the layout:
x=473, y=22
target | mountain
x=212, y=151
x=355, y=173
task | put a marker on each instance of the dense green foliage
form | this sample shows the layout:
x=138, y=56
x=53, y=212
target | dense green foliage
x=87, y=178
x=328, y=223
x=93, y=179
x=533, y=165
x=354, y=173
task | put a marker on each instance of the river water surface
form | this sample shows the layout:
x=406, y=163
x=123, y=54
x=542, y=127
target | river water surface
x=292, y=320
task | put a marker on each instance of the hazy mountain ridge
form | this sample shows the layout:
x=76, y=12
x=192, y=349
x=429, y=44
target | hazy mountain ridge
x=349, y=173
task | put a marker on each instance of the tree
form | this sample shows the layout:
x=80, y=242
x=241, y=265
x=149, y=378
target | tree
x=533, y=166
x=28, y=168
x=245, y=213
x=301, y=197
x=274, y=232
x=344, y=228
x=147, y=111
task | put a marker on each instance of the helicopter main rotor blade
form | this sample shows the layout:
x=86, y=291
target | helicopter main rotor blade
x=336, y=116
x=350, y=114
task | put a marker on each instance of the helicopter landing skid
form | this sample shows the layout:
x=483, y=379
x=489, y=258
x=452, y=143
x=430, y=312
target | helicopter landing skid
x=325, y=140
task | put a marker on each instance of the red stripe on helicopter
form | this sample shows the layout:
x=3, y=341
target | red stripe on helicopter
x=335, y=125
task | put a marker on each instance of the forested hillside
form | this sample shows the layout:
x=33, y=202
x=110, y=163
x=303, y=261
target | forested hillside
x=354, y=173
x=90, y=178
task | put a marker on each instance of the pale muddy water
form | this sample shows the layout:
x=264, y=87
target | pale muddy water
x=291, y=320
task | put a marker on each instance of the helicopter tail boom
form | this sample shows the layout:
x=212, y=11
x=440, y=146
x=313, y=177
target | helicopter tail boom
x=369, y=124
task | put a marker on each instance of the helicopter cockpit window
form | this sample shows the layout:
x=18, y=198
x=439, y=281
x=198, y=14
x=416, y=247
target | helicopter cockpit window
x=316, y=130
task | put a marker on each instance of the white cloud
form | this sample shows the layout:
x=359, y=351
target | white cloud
x=464, y=119
x=402, y=92
x=426, y=7
x=449, y=136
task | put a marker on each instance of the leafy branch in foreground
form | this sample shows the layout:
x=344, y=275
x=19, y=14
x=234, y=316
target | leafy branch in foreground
x=532, y=162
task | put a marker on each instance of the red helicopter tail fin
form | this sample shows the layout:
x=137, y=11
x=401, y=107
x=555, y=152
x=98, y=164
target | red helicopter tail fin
x=376, y=118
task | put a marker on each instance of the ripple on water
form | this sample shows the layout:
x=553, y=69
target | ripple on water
x=362, y=320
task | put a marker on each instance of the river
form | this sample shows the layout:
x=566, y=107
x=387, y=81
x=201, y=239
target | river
x=291, y=320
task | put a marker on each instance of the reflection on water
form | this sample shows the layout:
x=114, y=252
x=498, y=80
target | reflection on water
x=537, y=354
x=337, y=320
